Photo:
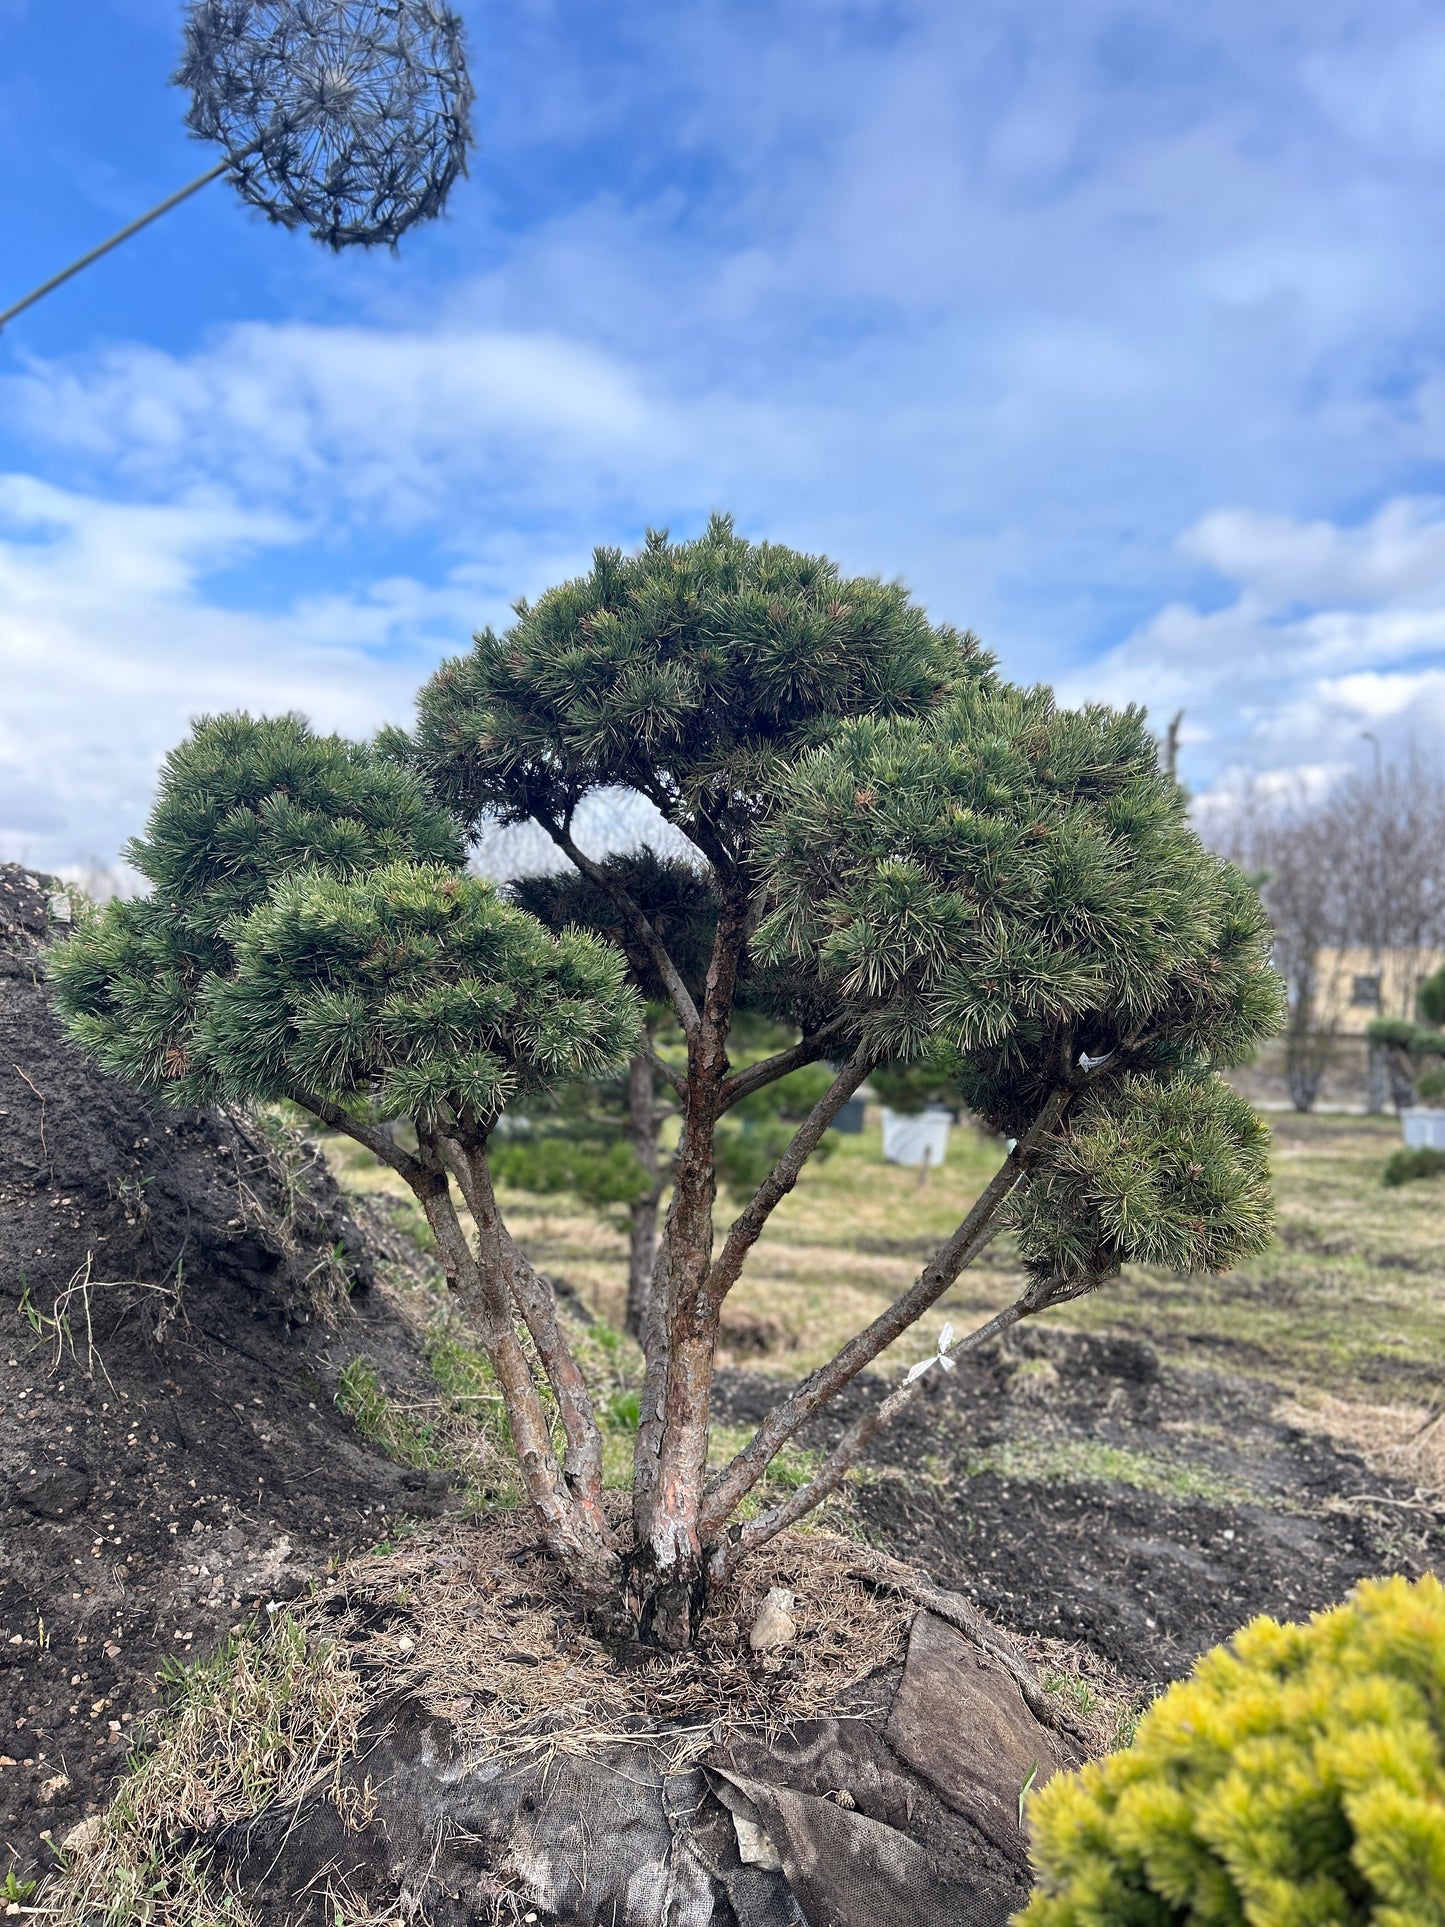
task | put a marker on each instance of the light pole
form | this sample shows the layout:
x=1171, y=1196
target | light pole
x=1375, y=1079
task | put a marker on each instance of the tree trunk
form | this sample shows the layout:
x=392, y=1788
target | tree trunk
x=667, y=1578
x=642, y=1240
x=480, y=1281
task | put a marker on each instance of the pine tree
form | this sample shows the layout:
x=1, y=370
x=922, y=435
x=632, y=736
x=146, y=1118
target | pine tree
x=935, y=860
x=898, y=854
x=309, y=935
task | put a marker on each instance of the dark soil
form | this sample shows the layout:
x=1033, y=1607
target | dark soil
x=171, y=1457
x=178, y=1293
x=1075, y=1487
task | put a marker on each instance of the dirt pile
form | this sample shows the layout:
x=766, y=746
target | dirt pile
x=1078, y=1488
x=171, y=1457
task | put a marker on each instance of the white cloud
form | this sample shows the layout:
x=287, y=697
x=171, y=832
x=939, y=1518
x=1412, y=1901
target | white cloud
x=111, y=645
x=996, y=299
x=1399, y=552
x=1278, y=680
x=355, y=419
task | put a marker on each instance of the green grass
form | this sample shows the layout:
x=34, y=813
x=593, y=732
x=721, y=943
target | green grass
x=1086, y=1461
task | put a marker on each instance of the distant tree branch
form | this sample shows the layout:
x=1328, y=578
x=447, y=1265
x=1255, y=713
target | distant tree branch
x=756, y=1077
x=633, y=914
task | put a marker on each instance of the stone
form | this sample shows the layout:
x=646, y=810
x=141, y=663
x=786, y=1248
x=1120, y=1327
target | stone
x=774, y=1625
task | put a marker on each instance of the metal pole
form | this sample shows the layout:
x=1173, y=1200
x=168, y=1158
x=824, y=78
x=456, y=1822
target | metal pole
x=1375, y=1091
x=162, y=207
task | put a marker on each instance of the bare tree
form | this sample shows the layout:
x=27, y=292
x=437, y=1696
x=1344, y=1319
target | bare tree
x=1363, y=868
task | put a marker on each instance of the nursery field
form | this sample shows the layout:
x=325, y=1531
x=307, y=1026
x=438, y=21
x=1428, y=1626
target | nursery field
x=1143, y=1470
x=1347, y=1304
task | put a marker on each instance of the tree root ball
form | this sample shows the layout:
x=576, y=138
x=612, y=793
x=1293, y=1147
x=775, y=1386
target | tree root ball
x=446, y=1740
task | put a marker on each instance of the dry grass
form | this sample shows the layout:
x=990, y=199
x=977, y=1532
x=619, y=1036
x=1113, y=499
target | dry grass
x=854, y=1234
x=272, y=1716
x=1350, y=1300
x=1401, y=1441
x=1103, y=1706
x=484, y=1629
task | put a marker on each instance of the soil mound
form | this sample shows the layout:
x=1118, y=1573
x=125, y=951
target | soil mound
x=177, y=1294
x=1079, y=1488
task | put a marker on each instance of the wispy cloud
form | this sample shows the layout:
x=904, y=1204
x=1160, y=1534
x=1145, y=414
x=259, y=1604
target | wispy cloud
x=997, y=300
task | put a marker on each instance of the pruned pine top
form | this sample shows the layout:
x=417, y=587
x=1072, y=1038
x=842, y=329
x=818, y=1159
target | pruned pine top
x=691, y=672
x=1019, y=886
x=309, y=931
x=1003, y=869
x=417, y=985
x=244, y=800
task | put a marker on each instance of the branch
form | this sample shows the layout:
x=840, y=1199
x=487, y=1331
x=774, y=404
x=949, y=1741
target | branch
x=582, y=1461
x=756, y=1077
x=977, y=1229
x=860, y=1435
x=678, y=991
x=747, y=1227
x=371, y=1137
x=480, y=1285
x=668, y=1072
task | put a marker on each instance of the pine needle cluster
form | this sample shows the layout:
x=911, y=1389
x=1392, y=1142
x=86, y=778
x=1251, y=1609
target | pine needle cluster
x=1017, y=887
x=307, y=937
x=689, y=672
x=243, y=803
x=1297, y=1778
x=419, y=987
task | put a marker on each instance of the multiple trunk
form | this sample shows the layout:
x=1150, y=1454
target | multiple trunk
x=685, y=1532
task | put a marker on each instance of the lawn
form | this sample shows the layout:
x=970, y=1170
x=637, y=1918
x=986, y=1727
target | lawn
x=1349, y=1301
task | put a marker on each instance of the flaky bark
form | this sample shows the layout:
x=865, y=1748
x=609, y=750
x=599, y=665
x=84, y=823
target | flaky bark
x=642, y=1122
x=668, y=1556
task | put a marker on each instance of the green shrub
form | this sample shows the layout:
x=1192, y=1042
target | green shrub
x=1403, y=1167
x=1430, y=1086
x=1297, y=1779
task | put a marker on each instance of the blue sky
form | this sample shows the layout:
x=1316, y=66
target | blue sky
x=1117, y=331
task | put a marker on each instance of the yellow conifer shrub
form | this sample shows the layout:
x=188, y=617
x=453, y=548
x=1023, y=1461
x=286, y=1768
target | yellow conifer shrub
x=1296, y=1779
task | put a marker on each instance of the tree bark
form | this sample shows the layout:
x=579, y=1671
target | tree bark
x=667, y=1572
x=533, y=1297
x=642, y=1124
x=480, y=1282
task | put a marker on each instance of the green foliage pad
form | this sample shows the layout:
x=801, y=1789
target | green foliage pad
x=1297, y=1779
x=1013, y=892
